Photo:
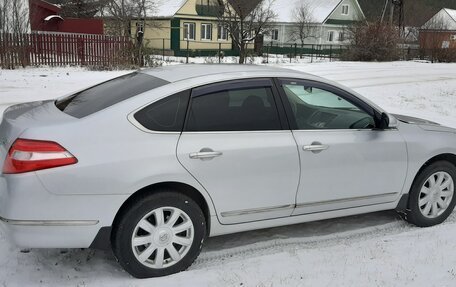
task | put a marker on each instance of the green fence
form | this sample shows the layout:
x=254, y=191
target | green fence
x=192, y=48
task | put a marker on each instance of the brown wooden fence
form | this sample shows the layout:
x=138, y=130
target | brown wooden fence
x=63, y=49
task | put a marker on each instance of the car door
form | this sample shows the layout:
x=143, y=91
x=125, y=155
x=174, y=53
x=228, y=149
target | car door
x=237, y=144
x=345, y=161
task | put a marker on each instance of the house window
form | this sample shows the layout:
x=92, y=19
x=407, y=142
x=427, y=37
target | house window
x=222, y=32
x=206, y=31
x=189, y=31
x=275, y=34
x=331, y=36
x=140, y=27
x=345, y=9
x=341, y=36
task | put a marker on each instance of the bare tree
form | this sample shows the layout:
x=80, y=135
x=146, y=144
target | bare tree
x=245, y=21
x=14, y=16
x=374, y=41
x=80, y=8
x=304, y=23
x=123, y=12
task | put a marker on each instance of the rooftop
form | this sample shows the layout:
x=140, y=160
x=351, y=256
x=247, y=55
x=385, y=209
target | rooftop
x=167, y=8
x=319, y=9
x=182, y=72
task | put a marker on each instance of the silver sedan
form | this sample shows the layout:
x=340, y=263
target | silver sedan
x=152, y=163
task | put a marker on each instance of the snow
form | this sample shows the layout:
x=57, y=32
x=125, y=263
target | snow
x=377, y=249
x=445, y=19
x=452, y=13
x=168, y=8
x=320, y=10
x=158, y=9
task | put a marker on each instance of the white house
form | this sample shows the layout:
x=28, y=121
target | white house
x=327, y=21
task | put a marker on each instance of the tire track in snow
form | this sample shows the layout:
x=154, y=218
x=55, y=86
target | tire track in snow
x=212, y=258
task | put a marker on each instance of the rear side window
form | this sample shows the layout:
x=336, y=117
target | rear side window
x=107, y=94
x=245, y=109
x=166, y=115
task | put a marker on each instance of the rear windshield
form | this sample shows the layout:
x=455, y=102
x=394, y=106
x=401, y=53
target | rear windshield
x=109, y=93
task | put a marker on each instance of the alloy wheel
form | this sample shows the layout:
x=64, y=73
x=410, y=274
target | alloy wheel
x=436, y=194
x=162, y=237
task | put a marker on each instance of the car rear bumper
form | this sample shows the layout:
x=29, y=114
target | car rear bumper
x=32, y=217
x=48, y=234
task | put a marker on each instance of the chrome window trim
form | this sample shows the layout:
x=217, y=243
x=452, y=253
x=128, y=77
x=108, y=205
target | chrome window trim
x=240, y=132
x=346, y=130
x=133, y=121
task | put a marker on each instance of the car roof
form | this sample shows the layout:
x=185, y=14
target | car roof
x=177, y=73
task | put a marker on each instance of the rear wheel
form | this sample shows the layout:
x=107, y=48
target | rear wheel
x=159, y=234
x=432, y=197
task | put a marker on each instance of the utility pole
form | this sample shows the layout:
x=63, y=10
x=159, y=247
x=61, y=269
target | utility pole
x=400, y=5
x=384, y=10
x=392, y=13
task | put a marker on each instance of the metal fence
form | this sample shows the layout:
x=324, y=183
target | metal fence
x=193, y=48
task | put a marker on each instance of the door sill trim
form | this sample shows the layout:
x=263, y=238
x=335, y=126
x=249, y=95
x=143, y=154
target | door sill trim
x=257, y=210
x=304, y=205
x=343, y=200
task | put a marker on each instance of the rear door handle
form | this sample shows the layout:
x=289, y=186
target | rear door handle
x=205, y=153
x=315, y=147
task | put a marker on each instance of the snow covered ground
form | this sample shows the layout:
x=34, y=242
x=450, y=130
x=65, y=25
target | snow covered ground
x=376, y=249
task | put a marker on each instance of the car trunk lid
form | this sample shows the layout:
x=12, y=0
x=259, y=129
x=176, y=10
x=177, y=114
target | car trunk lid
x=18, y=118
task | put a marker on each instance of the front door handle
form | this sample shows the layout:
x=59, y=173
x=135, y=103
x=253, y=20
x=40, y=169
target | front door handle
x=205, y=154
x=315, y=147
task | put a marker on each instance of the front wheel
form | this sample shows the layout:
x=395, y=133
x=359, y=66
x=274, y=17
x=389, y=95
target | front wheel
x=159, y=234
x=432, y=197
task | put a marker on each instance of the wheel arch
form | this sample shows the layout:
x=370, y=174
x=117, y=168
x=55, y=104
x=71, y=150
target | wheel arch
x=104, y=236
x=179, y=187
x=448, y=157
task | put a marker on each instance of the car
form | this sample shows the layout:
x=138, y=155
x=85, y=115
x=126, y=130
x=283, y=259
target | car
x=152, y=163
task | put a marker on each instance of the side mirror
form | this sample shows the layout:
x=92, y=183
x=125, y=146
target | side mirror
x=382, y=121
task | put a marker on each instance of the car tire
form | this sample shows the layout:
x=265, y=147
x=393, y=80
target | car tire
x=432, y=196
x=159, y=234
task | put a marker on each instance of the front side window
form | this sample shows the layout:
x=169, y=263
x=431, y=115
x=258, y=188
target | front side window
x=206, y=31
x=315, y=108
x=189, y=31
x=246, y=109
x=330, y=36
x=166, y=115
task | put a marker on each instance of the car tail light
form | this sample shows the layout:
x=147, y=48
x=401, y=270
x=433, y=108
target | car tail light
x=31, y=155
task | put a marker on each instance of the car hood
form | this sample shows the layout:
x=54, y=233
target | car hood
x=424, y=124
